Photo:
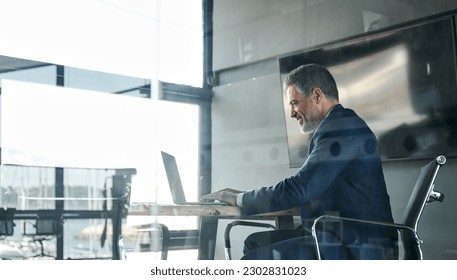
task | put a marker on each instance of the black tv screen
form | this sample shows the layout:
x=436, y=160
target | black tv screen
x=401, y=81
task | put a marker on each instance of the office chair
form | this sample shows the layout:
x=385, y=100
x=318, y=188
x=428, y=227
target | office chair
x=153, y=237
x=228, y=228
x=146, y=235
x=423, y=193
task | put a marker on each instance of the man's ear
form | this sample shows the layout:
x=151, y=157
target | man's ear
x=317, y=94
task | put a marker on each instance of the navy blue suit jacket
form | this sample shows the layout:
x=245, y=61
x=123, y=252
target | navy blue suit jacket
x=342, y=175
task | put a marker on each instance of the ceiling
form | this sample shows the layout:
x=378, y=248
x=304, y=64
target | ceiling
x=8, y=64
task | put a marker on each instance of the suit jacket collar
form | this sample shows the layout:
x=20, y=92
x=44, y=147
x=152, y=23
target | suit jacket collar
x=335, y=110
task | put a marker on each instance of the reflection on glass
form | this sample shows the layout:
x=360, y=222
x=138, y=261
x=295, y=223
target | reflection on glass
x=90, y=133
x=401, y=82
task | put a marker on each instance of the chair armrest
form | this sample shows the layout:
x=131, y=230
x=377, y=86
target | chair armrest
x=228, y=228
x=362, y=221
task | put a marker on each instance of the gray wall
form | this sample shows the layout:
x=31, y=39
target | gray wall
x=249, y=134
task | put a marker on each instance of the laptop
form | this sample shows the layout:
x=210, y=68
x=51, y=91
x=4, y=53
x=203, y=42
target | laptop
x=174, y=182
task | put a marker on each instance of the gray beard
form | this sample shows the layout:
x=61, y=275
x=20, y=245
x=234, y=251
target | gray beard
x=306, y=128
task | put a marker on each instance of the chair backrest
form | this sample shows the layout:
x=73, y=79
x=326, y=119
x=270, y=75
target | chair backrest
x=422, y=194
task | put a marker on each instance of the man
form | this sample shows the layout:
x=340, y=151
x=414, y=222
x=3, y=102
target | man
x=342, y=175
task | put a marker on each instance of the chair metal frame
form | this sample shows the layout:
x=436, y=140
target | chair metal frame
x=150, y=229
x=423, y=193
x=228, y=228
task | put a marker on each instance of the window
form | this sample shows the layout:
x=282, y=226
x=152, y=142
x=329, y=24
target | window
x=173, y=53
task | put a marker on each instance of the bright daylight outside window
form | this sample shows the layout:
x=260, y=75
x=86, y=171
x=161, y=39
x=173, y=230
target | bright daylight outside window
x=82, y=127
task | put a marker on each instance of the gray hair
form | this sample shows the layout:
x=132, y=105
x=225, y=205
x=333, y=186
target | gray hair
x=309, y=76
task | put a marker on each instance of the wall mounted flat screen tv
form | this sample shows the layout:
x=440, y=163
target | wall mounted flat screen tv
x=401, y=81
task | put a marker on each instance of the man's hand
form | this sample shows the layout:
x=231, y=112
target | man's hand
x=226, y=195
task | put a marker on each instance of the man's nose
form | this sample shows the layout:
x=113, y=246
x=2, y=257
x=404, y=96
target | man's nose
x=293, y=113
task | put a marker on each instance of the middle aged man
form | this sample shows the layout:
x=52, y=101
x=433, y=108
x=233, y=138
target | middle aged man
x=342, y=175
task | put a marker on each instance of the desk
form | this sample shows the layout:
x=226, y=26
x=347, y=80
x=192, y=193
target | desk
x=210, y=215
